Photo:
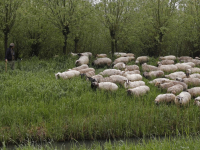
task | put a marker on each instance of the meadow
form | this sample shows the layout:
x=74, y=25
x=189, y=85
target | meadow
x=37, y=107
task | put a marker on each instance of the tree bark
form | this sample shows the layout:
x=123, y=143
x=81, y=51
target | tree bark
x=65, y=33
x=76, y=40
x=112, y=34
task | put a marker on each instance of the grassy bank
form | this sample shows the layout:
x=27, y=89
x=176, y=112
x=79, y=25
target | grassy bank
x=36, y=106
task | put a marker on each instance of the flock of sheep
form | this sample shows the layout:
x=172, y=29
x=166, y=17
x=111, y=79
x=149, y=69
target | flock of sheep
x=179, y=76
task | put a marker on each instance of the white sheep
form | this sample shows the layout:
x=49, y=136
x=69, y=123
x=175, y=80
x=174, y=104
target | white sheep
x=165, y=62
x=196, y=62
x=101, y=62
x=86, y=70
x=183, y=67
x=195, y=91
x=129, y=84
x=168, y=68
x=82, y=60
x=158, y=80
x=67, y=74
x=88, y=74
x=118, y=79
x=195, y=70
x=184, y=58
x=119, y=54
x=146, y=67
x=170, y=57
x=142, y=59
x=189, y=63
x=153, y=74
x=192, y=81
x=131, y=67
x=134, y=77
x=95, y=78
x=109, y=86
x=174, y=75
x=138, y=91
x=120, y=66
x=175, y=89
x=109, y=72
x=89, y=54
x=123, y=59
x=197, y=101
x=74, y=54
x=84, y=66
x=195, y=75
x=101, y=55
x=164, y=98
x=131, y=72
x=183, y=98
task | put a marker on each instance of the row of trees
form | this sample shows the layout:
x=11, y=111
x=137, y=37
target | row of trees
x=144, y=27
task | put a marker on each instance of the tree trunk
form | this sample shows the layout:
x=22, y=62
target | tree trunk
x=116, y=50
x=76, y=40
x=112, y=34
x=65, y=33
x=5, y=41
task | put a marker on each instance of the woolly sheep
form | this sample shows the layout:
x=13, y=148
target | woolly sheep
x=134, y=77
x=158, y=80
x=189, y=63
x=88, y=74
x=153, y=74
x=197, y=101
x=166, y=98
x=170, y=83
x=95, y=78
x=195, y=91
x=183, y=98
x=175, y=89
x=120, y=66
x=192, y=81
x=197, y=58
x=195, y=70
x=184, y=58
x=82, y=60
x=174, y=75
x=86, y=70
x=138, y=91
x=142, y=59
x=74, y=54
x=195, y=75
x=131, y=72
x=119, y=54
x=178, y=82
x=165, y=62
x=101, y=55
x=129, y=84
x=170, y=57
x=118, y=79
x=101, y=62
x=84, y=66
x=109, y=72
x=89, y=54
x=168, y=68
x=67, y=74
x=109, y=86
x=196, y=62
x=183, y=67
x=123, y=59
x=131, y=67
x=146, y=67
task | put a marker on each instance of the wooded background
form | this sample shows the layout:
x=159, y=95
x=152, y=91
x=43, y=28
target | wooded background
x=45, y=28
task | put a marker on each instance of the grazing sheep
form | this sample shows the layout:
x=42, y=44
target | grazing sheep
x=101, y=62
x=184, y=58
x=82, y=60
x=183, y=98
x=146, y=67
x=174, y=75
x=120, y=66
x=106, y=79
x=142, y=59
x=130, y=55
x=109, y=86
x=118, y=79
x=88, y=74
x=123, y=59
x=188, y=72
x=196, y=62
x=197, y=101
x=84, y=66
x=134, y=77
x=164, y=85
x=183, y=67
x=74, y=54
x=192, y=81
x=197, y=58
x=129, y=84
x=158, y=80
x=189, y=63
x=138, y=91
x=119, y=54
x=86, y=70
x=185, y=86
x=165, y=62
x=168, y=68
x=109, y=72
x=131, y=72
x=89, y=54
x=195, y=91
x=195, y=75
x=95, y=78
x=195, y=70
x=165, y=98
x=101, y=55
x=131, y=67
x=153, y=74
x=67, y=74
x=175, y=89
x=170, y=57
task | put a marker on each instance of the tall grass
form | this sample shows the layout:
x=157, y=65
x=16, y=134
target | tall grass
x=36, y=106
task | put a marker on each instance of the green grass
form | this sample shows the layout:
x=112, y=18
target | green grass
x=36, y=106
